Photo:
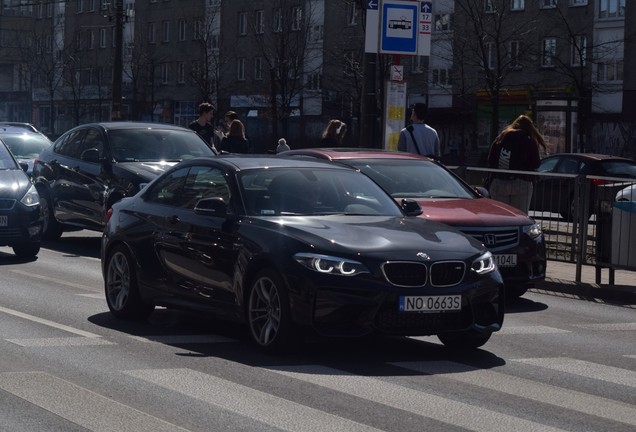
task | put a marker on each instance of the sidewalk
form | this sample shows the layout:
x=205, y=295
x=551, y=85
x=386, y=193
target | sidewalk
x=561, y=278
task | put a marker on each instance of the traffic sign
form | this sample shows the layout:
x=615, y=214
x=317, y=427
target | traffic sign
x=424, y=30
x=398, y=28
x=373, y=22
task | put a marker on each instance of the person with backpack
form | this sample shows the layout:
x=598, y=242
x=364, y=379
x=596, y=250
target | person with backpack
x=419, y=137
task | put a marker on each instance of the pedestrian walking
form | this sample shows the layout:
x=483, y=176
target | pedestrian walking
x=334, y=133
x=235, y=141
x=203, y=125
x=516, y=148
x=419, y=137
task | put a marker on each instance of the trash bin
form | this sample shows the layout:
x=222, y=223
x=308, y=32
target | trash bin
x=624, y=234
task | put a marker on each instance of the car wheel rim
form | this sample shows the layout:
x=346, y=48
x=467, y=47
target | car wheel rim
x=264, y=311
x=118, y=285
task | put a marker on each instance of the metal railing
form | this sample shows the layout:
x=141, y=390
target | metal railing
x=580, y=217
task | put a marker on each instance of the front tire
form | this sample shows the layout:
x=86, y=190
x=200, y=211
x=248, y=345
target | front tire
x=26, y=250
x=268, y=313
x=51, y=228
x=121, y=288
x=464, y=340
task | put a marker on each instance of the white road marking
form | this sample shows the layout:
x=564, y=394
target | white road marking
x=185, y=339
x=49, y=323
x=59, y=342
x=585, y=369
x=79, y=405
x=266, y=408
x=439, y=408
x=525, y=388
x=610, y=326
x=516, y=330
x=57, y=281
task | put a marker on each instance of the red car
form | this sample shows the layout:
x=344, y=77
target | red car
x=515, y=239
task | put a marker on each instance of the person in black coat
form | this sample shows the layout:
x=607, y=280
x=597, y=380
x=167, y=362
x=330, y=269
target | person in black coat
x=235, y=141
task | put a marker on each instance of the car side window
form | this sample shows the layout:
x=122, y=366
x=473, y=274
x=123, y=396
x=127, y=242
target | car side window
x=169, y=189
x=93, y=140
x=569, y=166
x=72, y=144
x=204, y=182
x=547, y=165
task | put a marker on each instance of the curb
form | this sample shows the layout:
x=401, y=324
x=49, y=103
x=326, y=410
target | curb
x=618, y=294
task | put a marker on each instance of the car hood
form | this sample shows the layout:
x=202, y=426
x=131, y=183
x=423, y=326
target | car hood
x=369, y=235
x=13, y=183
x=472, y=212
x=146, y=170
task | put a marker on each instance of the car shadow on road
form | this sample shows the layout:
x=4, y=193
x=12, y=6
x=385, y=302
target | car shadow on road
x=371, y=355
x=522, y=304
x=75, y=246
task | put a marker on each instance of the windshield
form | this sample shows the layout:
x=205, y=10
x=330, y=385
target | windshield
x=135, y=145
x=6, y=161
x=312, y=191
x=25, y=146
x=407, y=178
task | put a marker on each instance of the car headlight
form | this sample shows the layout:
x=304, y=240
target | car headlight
x=533, y=230
x=31, y=198
x=330, y=265
x=484, y=264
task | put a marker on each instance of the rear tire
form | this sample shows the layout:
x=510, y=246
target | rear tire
x=121, y=288
x=464, y=340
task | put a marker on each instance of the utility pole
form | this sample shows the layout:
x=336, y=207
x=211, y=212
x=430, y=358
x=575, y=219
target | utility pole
x=118, y=63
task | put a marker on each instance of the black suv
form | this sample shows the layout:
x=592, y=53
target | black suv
x=92, y=166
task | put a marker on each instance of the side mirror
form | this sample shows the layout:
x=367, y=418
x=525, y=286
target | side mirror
x=211, y=207
x=411, y=207
x=482, y=191
x=90, y=155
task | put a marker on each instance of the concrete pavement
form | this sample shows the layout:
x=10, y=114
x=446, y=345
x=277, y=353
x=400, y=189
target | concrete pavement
x=561, y=279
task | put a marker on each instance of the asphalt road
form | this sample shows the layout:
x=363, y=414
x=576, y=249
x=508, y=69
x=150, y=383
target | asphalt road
x=66, y=365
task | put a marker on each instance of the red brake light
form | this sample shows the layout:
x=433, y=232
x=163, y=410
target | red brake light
x=599, y=182
x=109, y=214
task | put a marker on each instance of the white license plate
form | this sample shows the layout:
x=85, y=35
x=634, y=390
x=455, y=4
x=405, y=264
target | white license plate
x=506, y=260
x=4, y=220
x=430, y=303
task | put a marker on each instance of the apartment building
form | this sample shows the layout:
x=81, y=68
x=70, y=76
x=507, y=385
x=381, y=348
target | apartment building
x=288, y=66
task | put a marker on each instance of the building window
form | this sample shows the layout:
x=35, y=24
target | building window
x=612, y=71
x=196, y=69
x=164, y=73
x=313, y=81
x=182, y=30
x=78, y=40
x=165, y=31
x=91, y=5
x=213, y=42
x=440, y=77
x=242, y=23
x=198, y=29
x=611, y=8
x=260, y=22
x=181, y=72
x=240, y=69
x=317, y=32
x=80, y=6
x=353, y=13
x=277, y=24
x=579, y=51
x=578, y=2
x=514, y=54
x=490, y=55
x=352, y=63
x=548, y=52
x=548, y=4
x=443, y=22
x=258, y=68
x=102, y=38
x=297, y=18
x=417, y=66
x=517, y=4
x=151, y=32
x=91, y=39
x=489, y=6
x=113, y=36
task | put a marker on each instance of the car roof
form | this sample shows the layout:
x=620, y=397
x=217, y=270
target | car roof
x=353, y=153
x=122, y=125
x=20, y=125
x=253, y=161
x=590, y=156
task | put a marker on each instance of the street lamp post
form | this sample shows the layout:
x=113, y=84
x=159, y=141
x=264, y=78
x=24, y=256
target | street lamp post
x=118, y=63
